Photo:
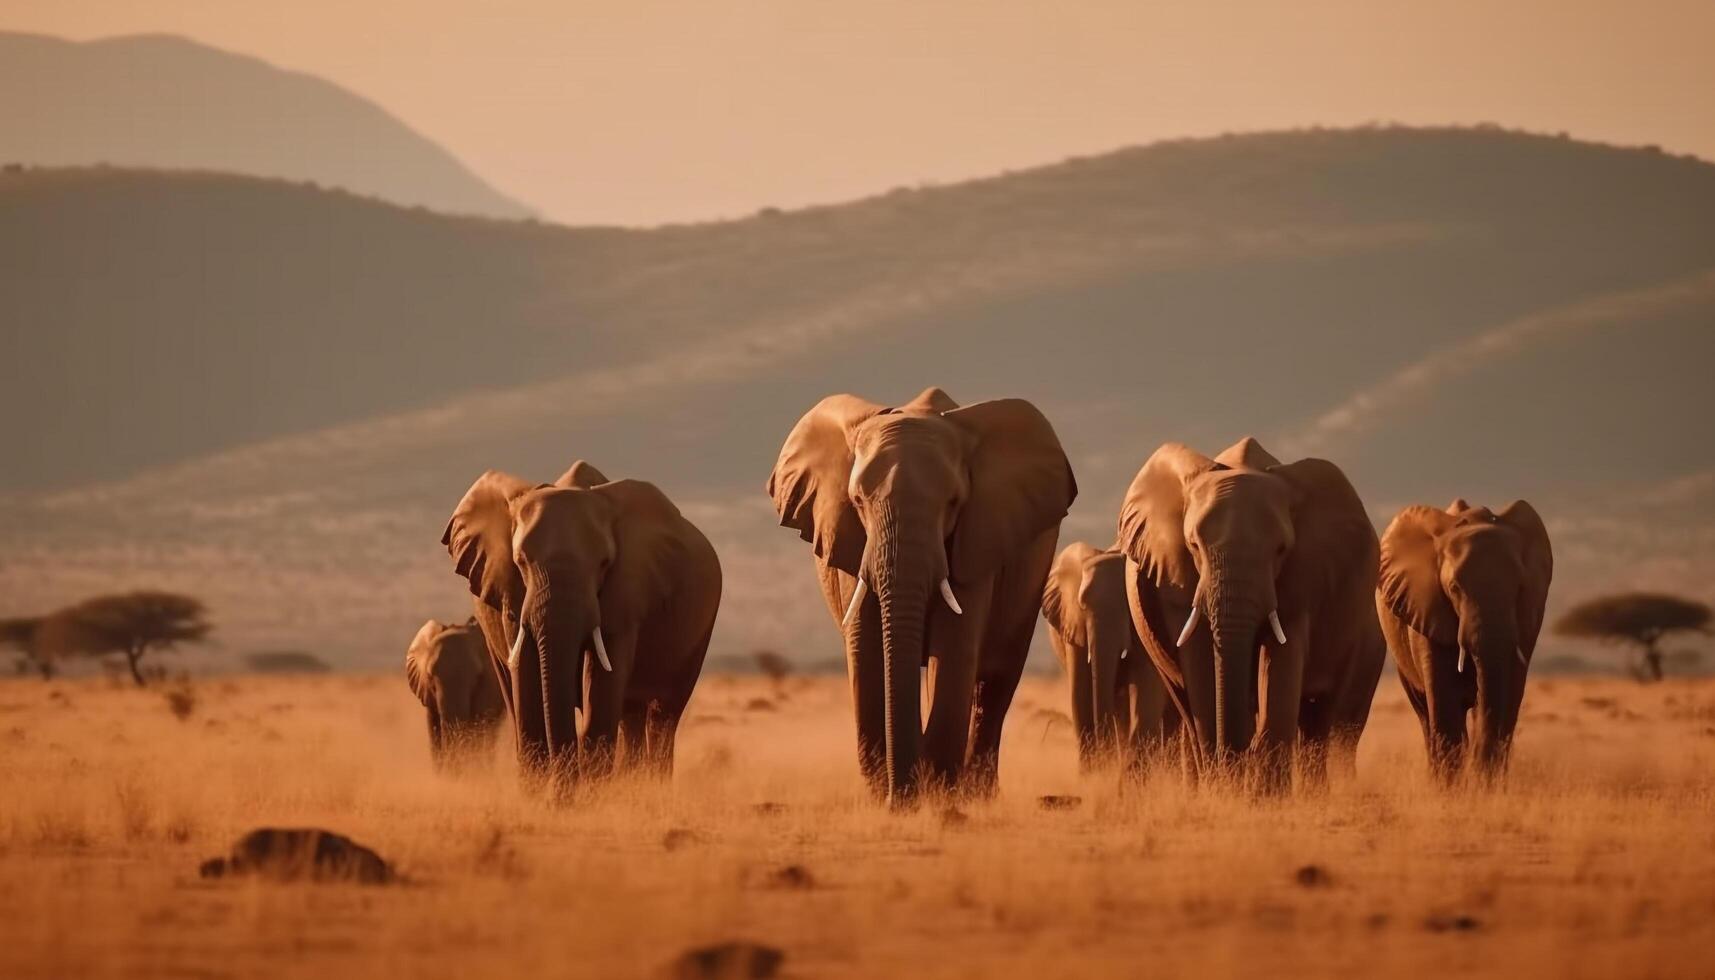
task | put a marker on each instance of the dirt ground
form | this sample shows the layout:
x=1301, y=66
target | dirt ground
x=1597, y=859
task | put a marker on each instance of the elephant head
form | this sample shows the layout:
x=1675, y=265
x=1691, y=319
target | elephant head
x=448, y=669
x=918, y=502
x=1250, y=548
x=563, y=564
x=1084, y=602
x=1474, y=580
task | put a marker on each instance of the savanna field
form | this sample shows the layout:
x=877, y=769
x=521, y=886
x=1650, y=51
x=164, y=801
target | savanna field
x=1596, y=859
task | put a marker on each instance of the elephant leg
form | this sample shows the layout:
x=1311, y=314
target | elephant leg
x=663, y=727
x=435, y=747
x=1282, y=684
x=1448, y=706
x=1419, y=702
x=952, y=678
x=604, y=705
x=991, y=697
x=948, y=731
x=1152, y=718
x=1315, y=742
x=633, y=736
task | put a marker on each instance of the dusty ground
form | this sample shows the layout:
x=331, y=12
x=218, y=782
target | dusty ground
x=1597, y=860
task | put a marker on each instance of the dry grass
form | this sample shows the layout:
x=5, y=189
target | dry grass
x=1597, y=859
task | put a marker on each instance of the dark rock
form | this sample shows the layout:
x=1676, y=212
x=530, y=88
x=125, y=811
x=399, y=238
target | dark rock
x=1452, y=923
x=792, y=876
x=1313, y=876
x=729, y=961
x=1058, y=802
x=679, y=837
x=301, y=854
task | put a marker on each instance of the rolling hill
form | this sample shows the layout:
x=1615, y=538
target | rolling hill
x=165, y=101
x=272, y=395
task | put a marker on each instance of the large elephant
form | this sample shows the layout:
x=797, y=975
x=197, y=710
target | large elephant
x=1119, y=704
x=448, y=670
x=1460, y=599
x=595, y=597
x=933, y=528
x=1241, y=563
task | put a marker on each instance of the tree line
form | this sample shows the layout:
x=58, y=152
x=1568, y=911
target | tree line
x=131, y=624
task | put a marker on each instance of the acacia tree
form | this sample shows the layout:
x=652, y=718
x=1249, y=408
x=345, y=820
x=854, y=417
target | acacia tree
x=1637, y=619
x=131, y=624
x=24, y=635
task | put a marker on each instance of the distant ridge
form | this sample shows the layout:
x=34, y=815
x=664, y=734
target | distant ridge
x=280, y=392
x=163, y=101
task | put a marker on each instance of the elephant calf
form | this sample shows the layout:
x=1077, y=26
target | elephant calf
x=449, y=671
x=1118, y=701
x=1461, y=600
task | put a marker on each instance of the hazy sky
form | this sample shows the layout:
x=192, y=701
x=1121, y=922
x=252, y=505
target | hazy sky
x=641, y=111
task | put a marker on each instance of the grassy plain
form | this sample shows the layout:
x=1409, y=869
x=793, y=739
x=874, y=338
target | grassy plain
x=1597, y=859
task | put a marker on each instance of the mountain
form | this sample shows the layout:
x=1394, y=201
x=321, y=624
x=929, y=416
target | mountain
x=272, y=396
x=163, y=101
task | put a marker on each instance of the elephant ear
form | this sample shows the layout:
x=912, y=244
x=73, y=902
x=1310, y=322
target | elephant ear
x=1537, y=557
x=583, y=475
x=1021, y=484
x=1152, y=516
x=1332, y=536
x=1410, y=584
x=479, y=538
x=809, y=481
x=416, y=655
x=1060, y=592
x=650, y=549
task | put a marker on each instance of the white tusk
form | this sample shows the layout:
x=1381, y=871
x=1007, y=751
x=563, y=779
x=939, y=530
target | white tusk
x=517, y=649
x=952, y=601
x=1125, y=650
x=1461, y=660
x=1521, y=657
x=1274, y=621
x=1190, y=625
x=856, y=603
x=601, y=650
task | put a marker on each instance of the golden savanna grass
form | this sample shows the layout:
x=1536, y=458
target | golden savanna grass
x=1597, y=859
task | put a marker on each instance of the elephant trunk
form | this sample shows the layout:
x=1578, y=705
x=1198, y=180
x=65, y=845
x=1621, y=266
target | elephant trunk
x=907, y=562
x=1235, y=622
x=560, y=631
x=1492, y=649
x=1106, y=641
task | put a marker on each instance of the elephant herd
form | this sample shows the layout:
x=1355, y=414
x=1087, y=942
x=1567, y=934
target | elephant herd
x=1242, y=613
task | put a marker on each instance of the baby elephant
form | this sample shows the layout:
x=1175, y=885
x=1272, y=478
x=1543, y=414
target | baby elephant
x=1460, y=600
x=449, y=671
x=1118, y=700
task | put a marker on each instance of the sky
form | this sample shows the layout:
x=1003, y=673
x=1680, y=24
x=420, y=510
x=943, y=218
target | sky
x=650, y=111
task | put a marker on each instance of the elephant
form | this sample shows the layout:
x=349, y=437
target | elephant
x=1118, y=700
x=1461, y=599
x=595, y=597
x=933, y=527
x=449, y=672
x=1242, y=563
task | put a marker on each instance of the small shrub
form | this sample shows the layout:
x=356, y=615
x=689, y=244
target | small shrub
x=181, y=701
